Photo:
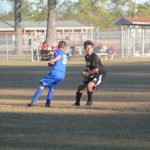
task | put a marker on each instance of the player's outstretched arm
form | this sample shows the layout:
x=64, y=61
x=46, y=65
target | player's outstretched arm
x=53, y=60
x=93, y=71
x=86, y=73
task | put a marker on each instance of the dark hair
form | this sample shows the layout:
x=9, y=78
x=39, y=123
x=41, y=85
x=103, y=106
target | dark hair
x=62, y=44
x=44, y=42
x=88, y=42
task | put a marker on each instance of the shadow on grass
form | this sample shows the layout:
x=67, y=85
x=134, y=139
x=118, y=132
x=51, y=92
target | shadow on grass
x=119, y=77
x=50, y=131
x=71, y=97
x=84, y=107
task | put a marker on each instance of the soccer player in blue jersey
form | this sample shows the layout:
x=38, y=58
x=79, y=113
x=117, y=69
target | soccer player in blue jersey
x=54, y=77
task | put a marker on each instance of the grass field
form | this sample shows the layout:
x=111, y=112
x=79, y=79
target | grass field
x=118, y=120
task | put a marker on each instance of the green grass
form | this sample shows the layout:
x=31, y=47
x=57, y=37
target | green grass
x=119, y=119
x=74, y=131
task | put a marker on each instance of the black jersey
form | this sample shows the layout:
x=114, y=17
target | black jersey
x=93, y=61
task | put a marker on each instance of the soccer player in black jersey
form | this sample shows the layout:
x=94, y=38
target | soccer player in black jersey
x=93, y=74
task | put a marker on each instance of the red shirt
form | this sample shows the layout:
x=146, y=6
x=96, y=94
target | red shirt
x=44, y=46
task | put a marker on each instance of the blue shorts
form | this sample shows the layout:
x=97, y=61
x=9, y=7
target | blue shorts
x=52, y=79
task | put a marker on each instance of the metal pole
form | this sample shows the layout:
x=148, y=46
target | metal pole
x=7, y=47
x=32, y=47
x=127, y=42
x=134, y=34
x=37, y=52
x=91, y=38
x=63, y=34
x=81, y=36
x=143, y=41
x=122, y=39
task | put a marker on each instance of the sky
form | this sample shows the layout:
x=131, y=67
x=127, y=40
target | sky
x=141, y=1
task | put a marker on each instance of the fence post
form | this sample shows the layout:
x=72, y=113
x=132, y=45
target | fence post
x=143, y=41
x=32, y=47
x=122, y=42
x=134, y=34
x=91, y=33
x=7, y=48
x=37, y=54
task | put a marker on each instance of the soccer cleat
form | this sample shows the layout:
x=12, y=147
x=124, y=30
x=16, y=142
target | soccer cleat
x=89, y=104
x=76, y=105
x=47, y=105
x=31, y=104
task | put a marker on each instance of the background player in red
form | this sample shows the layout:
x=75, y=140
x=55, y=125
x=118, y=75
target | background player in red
x=44, y=46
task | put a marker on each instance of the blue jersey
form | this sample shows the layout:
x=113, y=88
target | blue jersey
x=60, y=64
x=57, y=73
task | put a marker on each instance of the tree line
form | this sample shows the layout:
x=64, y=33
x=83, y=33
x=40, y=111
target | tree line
x=99, y=13
x=24, y=8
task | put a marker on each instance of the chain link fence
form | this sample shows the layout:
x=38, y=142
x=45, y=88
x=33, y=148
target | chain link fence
x=17, y=50
x=135, y=42
x=126, y=43
x=107, y=39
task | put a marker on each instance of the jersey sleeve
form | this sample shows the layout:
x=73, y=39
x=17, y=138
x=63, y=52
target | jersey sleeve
x=56, y=53
x=98, y=64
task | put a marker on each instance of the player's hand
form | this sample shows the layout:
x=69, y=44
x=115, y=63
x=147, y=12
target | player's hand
x=52, y=60
x=85, y=73
x=50, y=64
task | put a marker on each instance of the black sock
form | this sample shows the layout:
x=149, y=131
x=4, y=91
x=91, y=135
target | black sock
x=90, y=94
x=78, y=97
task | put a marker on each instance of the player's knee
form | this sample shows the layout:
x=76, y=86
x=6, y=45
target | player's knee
x=90, y=87
x=41, y=86
x=80, y=89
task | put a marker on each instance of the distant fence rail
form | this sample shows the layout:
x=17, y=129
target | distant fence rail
x=10, y=50
x=125, y=43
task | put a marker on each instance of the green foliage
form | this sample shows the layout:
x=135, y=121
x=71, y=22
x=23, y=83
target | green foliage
x=66, y=10
x=95, y=12
x=26, y=10
x=99, y=13
x=118, y=7
x=144, y=10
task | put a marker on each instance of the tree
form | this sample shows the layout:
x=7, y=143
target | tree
x=94, y=12
x=99, y=13
x=51, y=22
x=118, y=6
x=67, y=10
x=131, y=12
x=143, y=10
x=18, y=27
x=38, y=10
x=26, y=10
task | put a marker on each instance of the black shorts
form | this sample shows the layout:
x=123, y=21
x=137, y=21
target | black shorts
x=97, y=79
